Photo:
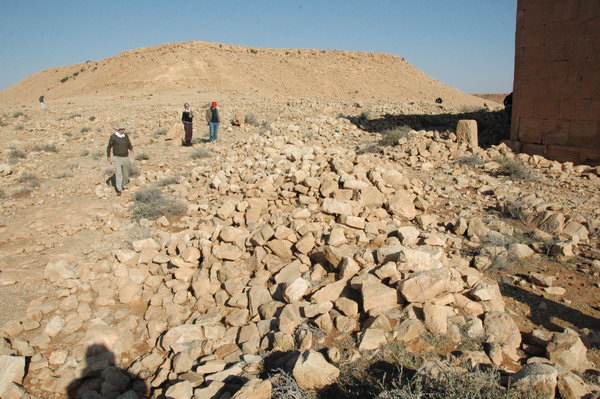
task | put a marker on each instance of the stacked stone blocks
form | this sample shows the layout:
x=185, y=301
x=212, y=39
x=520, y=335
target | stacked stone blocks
x=556, y=110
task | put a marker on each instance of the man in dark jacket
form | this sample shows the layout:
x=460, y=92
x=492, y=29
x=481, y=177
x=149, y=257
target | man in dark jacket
x=120, y=146
x=212, y=117
x=186, y=117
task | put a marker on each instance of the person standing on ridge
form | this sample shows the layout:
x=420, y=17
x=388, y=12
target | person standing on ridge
x=186, y=117
x=42, y=103
x=121, y=147
x=212, y=117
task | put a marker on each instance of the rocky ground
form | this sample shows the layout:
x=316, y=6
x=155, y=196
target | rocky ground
x=306, y=240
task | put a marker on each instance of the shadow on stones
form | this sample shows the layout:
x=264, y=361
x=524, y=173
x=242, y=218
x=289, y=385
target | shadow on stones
x=101, y=378
x=112, y=181
x=554, y=309
x=492, y=126
x=279, y=360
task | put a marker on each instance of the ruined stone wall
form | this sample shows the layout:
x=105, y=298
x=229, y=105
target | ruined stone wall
x=556, y=110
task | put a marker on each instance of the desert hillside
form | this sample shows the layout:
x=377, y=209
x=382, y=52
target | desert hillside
x=202, y=67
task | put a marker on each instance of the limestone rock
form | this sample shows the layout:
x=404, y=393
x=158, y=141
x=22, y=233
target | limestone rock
x=180, y=390
x=378, y=297
x=538, y=377
x=312, y=372
x=295, y=290
x=372, y=339
x=466, y=132
x=426, y=285
x=254, y=389
x=501, y=329
x=58, y=271
x=568, y=350
x=13, y=371
x=401, y=204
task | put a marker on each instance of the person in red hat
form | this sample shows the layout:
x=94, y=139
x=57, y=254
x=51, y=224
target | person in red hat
x=212, y=117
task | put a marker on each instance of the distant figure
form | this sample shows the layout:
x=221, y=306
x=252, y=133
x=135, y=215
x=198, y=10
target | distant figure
x=508, y=106
x=439, y=100
x=186, y=118
x=42, y=103
x=212, y=117
x=120, y=145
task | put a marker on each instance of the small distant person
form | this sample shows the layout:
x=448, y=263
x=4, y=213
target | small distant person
x=121, y=147
x=508, y=106
x=186, y=117
x=42, y=103
x=212, y=117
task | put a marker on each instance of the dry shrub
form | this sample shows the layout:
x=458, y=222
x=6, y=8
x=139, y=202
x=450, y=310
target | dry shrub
x=392, y=137
x=515, y=168
x=151, y=204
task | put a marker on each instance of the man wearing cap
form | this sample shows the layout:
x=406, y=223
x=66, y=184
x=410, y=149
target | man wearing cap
x=120, y=146
x=187, y=118
x=212, y=117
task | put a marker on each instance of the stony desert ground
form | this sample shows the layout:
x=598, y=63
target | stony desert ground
x=330, y=236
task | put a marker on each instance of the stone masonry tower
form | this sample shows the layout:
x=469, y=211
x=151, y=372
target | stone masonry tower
x=556, y=106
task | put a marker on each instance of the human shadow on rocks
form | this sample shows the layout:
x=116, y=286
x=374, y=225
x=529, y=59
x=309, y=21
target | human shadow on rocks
x=101, y=378
x=492, y=126
x=112, y=181
x=543, y=317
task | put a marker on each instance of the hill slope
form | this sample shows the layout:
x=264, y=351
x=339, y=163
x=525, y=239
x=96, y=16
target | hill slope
x=228, y=69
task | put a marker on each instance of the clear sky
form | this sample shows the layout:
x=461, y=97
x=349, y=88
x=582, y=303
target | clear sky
x=468, y=44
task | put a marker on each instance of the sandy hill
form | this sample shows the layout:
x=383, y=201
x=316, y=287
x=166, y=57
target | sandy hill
x=202, y=67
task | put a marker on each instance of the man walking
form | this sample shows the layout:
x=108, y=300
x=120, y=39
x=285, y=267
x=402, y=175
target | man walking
x=212, y=117
x=120, y=145
x=42, y=103
x=186, y=117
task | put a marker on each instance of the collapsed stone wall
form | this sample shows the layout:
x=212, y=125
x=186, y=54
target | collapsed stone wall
x=556, y=110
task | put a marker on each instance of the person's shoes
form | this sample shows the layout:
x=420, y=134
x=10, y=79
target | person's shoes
x=119, y=193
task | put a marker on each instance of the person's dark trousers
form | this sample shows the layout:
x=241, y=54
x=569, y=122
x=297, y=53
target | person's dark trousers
x=188, y=127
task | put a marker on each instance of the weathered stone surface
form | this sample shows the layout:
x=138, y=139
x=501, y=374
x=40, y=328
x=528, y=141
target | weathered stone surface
x=254, y=389
x=58, y=271
x=180, y=390
x=538, y=377
x=426, y=285
x=54, y=326
x=378, y=297
x=330, y=292
x=568, y=350
x=572, y=386
x=436, y=318
x=13, y=371
x=408, y=235
x=408, y=330
x=177, y=337
x=312, y=372
x=372, y=339
x=148, y=243
x=335, y=207
x=501, y=329
x=281, y=248
x=295, y=290
x=466, y=132
x=401, y=204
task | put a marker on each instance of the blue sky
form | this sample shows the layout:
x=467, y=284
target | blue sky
x=468, y=44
